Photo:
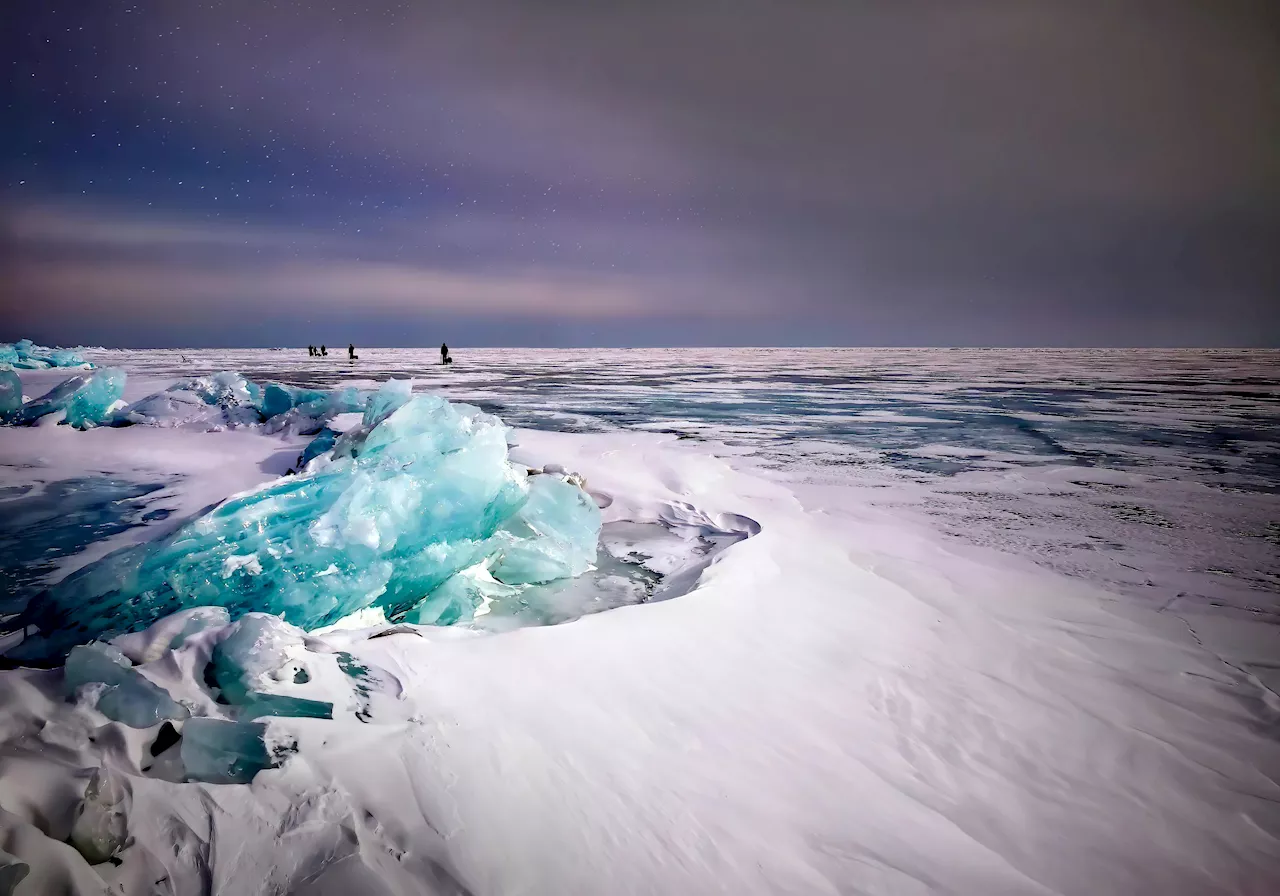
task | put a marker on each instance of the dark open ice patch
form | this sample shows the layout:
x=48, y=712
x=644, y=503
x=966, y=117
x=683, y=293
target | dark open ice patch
x=40, y=528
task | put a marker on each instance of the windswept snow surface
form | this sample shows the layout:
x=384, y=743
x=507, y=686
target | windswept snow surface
x=936, y=622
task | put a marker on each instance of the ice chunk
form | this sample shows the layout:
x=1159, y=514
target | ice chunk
x=127, y=697
x=221, y=752
x=170, y=633
x=101, y=826
x=459, y=598
x=278, y=399
x=258, y=650
x=10, y=393
x=86, y=399
x=256, y=706
x=319, y=445
x=553, y=536
x=91, y=405
x=226, y=389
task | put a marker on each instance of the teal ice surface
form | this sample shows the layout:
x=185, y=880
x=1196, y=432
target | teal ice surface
x=10, y=393
x=413, y=496
x=86, y=399
x=127, y=697
x=222, y=752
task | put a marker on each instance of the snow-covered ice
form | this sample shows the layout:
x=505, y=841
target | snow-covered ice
x=880, y=622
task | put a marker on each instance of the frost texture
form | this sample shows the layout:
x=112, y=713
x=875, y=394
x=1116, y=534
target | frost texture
x=26, y=355
x=415, y=494
x=86, y=399
x=127, y=697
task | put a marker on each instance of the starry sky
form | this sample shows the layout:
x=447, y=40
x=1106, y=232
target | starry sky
x=657, y=172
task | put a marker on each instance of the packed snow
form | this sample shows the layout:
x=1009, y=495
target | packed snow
x=723, y=657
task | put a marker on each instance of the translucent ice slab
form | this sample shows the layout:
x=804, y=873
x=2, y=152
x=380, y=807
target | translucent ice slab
x=126, y=696
x=221, y=752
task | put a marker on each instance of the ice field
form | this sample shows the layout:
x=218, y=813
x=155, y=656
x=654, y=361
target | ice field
x=855, y=621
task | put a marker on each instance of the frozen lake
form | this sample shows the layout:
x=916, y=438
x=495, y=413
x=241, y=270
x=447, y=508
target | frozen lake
x=1153, y=473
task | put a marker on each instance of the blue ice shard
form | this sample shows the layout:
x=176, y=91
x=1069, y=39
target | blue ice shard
x=127, y=697
x=321, y=444
x=457, y=600
x=86, y=399
x=278, y=399
x=258, y=706
x=10, y=393
x=553, y=536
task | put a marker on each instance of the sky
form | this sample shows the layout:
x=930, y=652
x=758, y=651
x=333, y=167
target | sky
x=664, y=172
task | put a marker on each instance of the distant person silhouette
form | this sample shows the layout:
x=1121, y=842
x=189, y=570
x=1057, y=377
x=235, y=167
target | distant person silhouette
x=351, y=351
x=324, y=351
x=444, y=354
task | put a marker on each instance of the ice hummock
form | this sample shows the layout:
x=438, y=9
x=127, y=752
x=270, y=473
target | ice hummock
x=26, y=355
x=209, y=402
x=86, y=399
x=420, y=491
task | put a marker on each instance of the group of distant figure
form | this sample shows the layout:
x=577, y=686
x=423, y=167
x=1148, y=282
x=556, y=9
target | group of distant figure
x=323, y=352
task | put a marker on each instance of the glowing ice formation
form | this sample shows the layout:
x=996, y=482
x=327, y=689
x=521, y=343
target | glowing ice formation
x=86, y=399
x=421, y=490
x=125, y=695
x=26, y=355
